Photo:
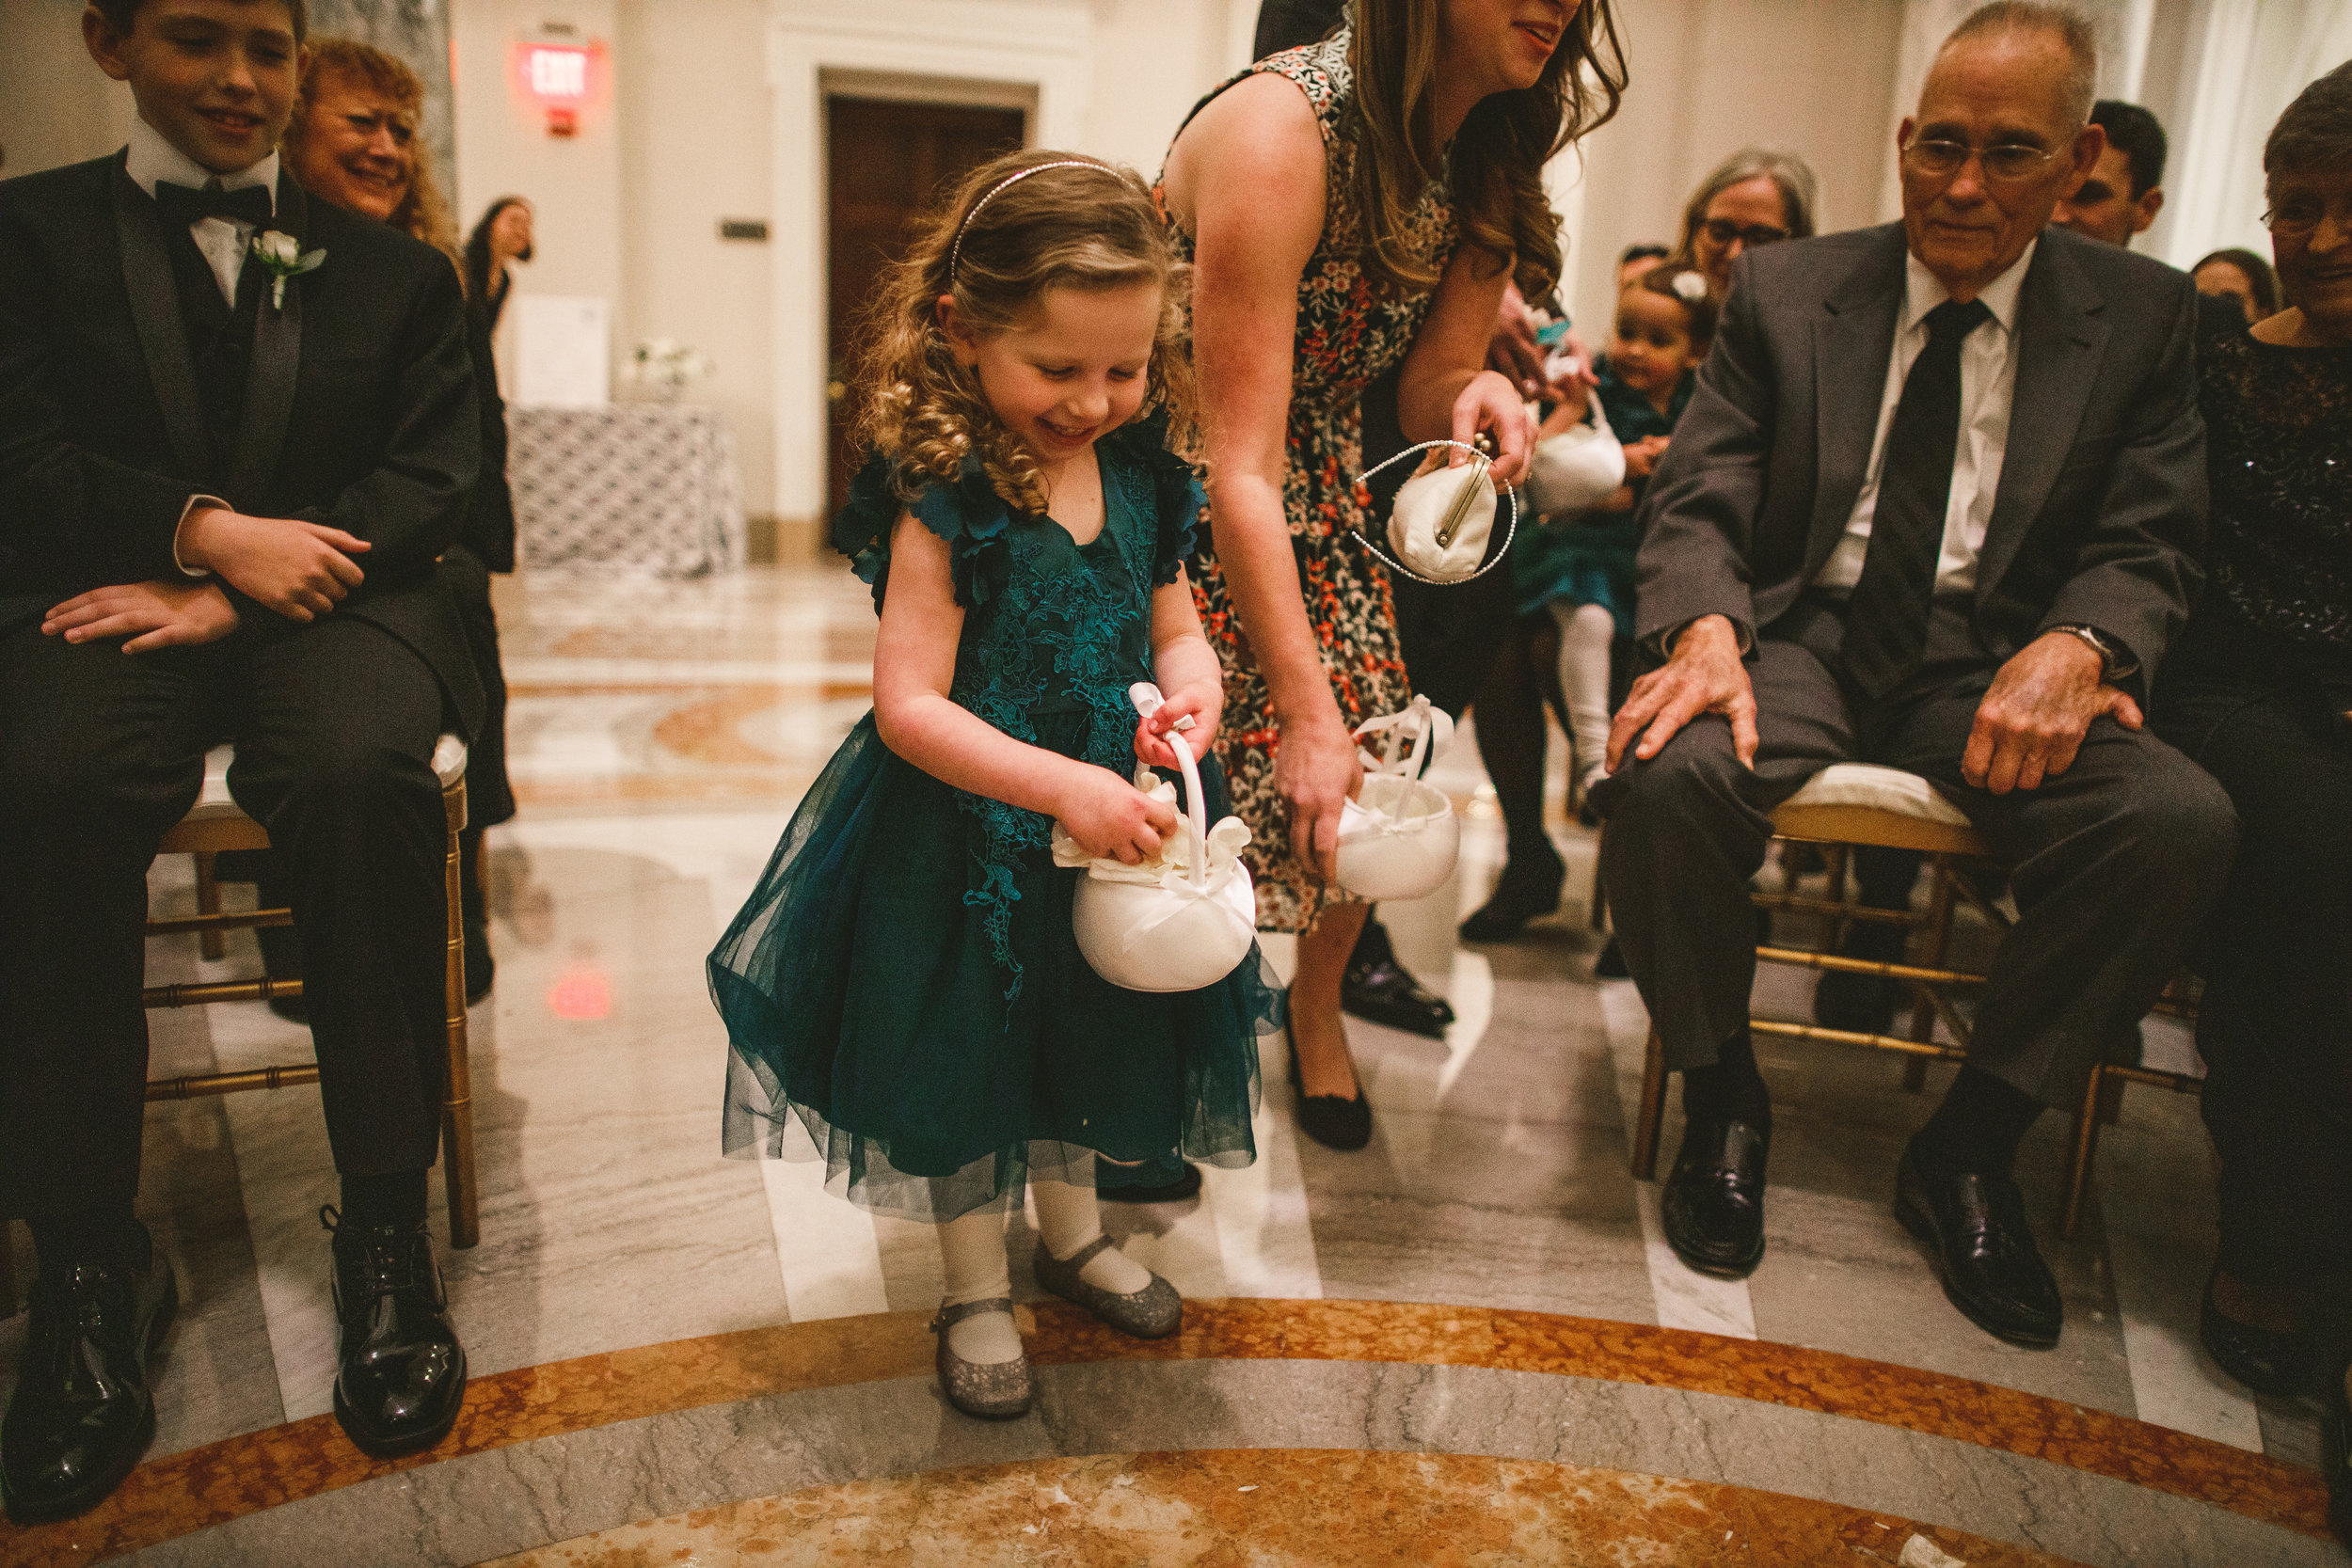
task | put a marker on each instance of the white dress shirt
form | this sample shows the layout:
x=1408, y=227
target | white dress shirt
x=222, y=240
x=1988, y=387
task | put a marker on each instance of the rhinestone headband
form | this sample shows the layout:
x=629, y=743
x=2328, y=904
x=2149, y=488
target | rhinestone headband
x=954, y=252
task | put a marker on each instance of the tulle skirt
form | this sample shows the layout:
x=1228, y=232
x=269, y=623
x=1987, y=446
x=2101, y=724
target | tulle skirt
x=866, y=1007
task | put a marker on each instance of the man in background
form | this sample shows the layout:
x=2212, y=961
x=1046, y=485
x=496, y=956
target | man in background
x=2126, y=190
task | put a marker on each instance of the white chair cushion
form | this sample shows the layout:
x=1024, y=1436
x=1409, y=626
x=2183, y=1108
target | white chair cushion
x=1888, y=789
x=449, y=766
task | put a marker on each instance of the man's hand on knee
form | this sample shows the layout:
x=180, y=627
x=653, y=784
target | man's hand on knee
x=151, y=614
x=300, y=570
x=2032, y=721
x=1702, y=674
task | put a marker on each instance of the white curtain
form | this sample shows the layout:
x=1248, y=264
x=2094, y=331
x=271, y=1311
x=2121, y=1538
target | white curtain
x=2216, y=73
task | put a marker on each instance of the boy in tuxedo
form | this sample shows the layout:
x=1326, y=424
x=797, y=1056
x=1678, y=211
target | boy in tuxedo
x=223, y=485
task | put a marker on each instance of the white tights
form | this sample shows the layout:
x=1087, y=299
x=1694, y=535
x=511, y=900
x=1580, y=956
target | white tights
x=972, y=1257
x=1586, y=631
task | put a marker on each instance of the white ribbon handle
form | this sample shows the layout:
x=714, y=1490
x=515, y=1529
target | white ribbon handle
x=1510, y=493
x=1429, y=728
x=1148, y=702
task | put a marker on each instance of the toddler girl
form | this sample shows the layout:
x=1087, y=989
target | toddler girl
x=1580, y=568
x=904, y=983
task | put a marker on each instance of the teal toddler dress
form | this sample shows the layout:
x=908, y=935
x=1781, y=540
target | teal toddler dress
x=904, y=982
x=1587, y=558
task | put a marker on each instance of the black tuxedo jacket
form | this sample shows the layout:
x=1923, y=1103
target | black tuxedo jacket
x=360, y=410
x=2100, y=514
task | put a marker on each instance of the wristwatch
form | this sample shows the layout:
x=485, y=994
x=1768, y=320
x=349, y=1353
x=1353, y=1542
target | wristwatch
x=2115, y=661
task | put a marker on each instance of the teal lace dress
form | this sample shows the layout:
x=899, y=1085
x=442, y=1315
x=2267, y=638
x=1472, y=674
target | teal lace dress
x=904, y=984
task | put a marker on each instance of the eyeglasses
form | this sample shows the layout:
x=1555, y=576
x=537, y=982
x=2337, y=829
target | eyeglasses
x=2298, y=217
x=2008, y=163
x=1723, y=231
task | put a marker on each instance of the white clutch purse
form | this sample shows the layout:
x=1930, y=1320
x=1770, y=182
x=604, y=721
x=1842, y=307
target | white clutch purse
x=1182, y=920
x=1399, y=837
x=1443, y=517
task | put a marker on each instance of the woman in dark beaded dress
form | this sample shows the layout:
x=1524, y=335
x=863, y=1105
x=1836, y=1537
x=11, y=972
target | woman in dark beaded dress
x=2260, y=692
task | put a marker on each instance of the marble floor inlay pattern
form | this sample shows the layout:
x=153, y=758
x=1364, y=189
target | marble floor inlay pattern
x=1280, y=1506
x=661, y=733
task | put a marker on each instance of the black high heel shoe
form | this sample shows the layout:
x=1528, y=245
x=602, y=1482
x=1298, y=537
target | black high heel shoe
x=1331, y=1121
x=1522, y=893
x=2264, y=1359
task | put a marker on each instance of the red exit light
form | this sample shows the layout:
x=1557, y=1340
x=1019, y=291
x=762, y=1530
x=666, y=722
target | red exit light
x=555, y=73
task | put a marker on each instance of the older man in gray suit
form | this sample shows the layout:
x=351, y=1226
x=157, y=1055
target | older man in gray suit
x=1936, y=505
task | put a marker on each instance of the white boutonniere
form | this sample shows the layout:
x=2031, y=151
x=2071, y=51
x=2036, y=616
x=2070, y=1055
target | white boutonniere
x=283, y=255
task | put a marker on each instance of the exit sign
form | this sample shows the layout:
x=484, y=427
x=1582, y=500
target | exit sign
x=555, y=73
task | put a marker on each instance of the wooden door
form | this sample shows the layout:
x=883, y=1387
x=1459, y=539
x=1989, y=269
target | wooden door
x=885, y=162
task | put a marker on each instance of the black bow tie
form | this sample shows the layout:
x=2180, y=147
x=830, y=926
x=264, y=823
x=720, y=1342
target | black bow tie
x=247, y=204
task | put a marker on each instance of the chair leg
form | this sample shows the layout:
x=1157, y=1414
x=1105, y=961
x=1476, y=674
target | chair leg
x=1650, y=1117
x=1937, y=929
x=210, y=943
x=2086, y=1147
x=458, y=1152
x=1598, y=905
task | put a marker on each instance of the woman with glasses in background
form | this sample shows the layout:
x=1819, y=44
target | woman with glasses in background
x=2260, y=692
x=1755, y=196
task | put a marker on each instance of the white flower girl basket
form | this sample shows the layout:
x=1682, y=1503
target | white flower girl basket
x=1399, y=837
x=1181, y=922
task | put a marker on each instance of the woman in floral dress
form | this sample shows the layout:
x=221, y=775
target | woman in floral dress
x=1350, y=205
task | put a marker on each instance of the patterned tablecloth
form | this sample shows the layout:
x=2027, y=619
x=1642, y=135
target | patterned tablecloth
x=641, y=486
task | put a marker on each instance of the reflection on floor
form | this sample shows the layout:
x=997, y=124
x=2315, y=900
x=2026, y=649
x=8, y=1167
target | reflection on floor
x=661, y=734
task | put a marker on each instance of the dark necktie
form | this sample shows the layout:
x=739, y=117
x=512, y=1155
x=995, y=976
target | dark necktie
x=1886, y=620
x=184, y=206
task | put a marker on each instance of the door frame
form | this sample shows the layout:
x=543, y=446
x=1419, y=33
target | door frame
x=1035, y=53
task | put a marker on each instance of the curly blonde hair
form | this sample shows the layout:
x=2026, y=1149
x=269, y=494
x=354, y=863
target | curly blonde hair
x=1094, y=225
x=422, y=213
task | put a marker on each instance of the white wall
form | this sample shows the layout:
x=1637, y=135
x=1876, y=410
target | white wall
x=696, y=109
x=1811, y=77
x=56, y=105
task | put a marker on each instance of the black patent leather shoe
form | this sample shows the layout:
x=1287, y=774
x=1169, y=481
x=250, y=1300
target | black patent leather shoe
x=1525, y=891
x=1108, y=1188
x=2335, y=1454
x=1713, y=1204
x=84, y=1411
x=402, y=1373
x=1384, y=991
x=1331, y=1121
x=1983, y=1251
x=2264, y=1359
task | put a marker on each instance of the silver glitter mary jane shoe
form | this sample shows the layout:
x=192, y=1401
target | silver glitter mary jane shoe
x=1153, y=1312
x=994, y=1390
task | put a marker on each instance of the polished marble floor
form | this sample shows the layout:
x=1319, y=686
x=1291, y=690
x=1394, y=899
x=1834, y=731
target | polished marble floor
x=661, y=734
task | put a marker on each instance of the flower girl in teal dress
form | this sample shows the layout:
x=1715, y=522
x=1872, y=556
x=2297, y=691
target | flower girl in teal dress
x=904, y=985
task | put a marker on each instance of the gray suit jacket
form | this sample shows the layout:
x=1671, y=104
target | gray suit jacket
x=2100, y=517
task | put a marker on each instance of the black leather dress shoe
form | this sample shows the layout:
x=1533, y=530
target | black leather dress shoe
x=1983, y=1251
x=2264, y=1359
x=1863, y=1003
x=402, y=1375
x=1714, y=1199
x=83, y=1412
x=1527, y=890
x=1110, y=1189
x=2335, y=1454
x=1384, y=991
x=1331, y=1121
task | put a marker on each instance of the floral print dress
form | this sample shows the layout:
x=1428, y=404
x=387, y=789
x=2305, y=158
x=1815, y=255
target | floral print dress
x=1351, y=331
